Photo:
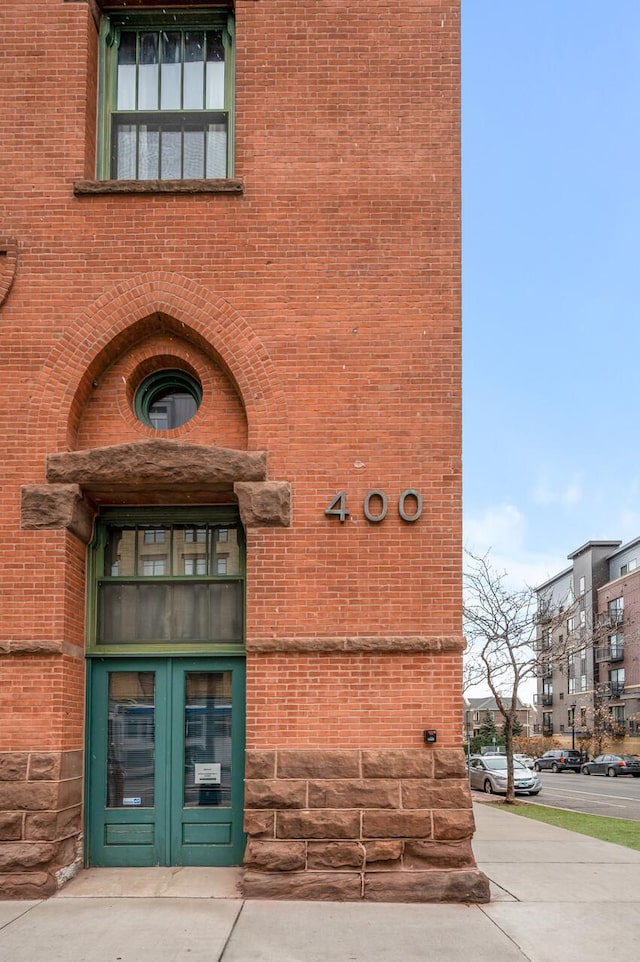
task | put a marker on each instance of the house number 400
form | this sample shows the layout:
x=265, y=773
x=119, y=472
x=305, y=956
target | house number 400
x=376, y=505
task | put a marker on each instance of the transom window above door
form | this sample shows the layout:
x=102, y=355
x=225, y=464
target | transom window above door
x=175, y=584
x=166, y=96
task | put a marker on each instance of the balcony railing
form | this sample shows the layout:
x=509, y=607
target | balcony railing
x=611, y=618
x=610, y=653
x=543, y=729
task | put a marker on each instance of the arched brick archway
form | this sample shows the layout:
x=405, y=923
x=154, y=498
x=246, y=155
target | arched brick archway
x=130, y=311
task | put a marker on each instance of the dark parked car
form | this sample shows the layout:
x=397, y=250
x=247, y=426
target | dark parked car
x=559, y=760
x=613, y=765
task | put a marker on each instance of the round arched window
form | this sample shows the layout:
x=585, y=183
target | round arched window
x=167, y=399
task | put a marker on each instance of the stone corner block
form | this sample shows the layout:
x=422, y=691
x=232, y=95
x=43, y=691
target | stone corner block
x=463, y=885
x=264, y=503
x=275, y=793
x=13, y=766
x=453, y=824
x=50, y=506
x=259, y=763
x=397, y=763
x=45, y=766
x=318, y=763
x=317, y=886
x=268, y=856
x=449, y=763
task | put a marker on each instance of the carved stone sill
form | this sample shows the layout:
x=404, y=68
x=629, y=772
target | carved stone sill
x=82, y=188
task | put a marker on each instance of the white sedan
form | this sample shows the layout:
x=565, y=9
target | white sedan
x=488, y=773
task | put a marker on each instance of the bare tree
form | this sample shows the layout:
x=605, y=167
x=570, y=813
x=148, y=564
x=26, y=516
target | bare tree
x=501, y=626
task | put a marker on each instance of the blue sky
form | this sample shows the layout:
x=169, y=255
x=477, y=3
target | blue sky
x=551, y=278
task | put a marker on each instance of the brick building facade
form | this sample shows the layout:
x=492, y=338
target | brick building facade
x=230, y=422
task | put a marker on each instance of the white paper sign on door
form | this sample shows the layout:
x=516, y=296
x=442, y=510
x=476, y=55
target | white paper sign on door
x=207, y=773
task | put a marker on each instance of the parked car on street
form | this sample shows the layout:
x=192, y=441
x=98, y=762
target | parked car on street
x=525, y=759
x=559, y=760
x=613, y=765
x=488, y=773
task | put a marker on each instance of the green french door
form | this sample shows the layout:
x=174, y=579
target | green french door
x=165, y=766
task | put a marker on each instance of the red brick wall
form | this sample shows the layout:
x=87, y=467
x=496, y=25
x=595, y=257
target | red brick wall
x=334, y=342
x=355, y=701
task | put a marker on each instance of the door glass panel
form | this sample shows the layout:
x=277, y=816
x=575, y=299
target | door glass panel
x=207, y=749
x=131, y=739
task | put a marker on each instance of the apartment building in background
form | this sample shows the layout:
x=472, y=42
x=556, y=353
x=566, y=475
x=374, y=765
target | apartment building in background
x=477, y=709
x=589, y=646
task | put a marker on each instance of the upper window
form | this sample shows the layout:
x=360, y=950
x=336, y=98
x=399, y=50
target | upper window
x=166, y=95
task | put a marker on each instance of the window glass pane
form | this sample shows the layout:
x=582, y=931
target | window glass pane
x=171, y=170
x=215, y=71
x=170, y=612
x=193, y=153
x=148, y=152
x=207, y=725
x=126, y=136
x=131, y=739
x=171, y=71
x=126, y=81
x=226, y=548
x=120, y=552
x=193, y=97
x=216, y=150
x=190, y=615
x=148, y=74
x=153, y=548
x=189, y=550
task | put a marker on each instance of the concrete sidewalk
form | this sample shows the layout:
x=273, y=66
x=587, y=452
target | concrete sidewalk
x=555, y=896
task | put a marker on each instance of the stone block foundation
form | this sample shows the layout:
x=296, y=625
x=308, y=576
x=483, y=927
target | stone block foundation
x=40, y=821
x=383, y=825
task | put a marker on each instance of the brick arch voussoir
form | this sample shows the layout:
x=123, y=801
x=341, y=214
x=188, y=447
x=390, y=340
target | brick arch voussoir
x=125, y=314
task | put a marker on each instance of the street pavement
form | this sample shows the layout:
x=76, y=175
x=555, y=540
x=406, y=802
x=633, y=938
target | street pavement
x=556, y=896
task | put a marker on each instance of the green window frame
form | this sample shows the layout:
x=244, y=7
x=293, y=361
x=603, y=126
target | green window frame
x=167, y=581
x=166, y=96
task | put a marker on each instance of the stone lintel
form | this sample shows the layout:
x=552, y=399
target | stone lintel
x=264, y=503
x=51, y=506
x=155, y=463
x=348, y=645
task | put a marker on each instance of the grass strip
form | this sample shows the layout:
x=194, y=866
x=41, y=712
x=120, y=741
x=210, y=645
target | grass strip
x=620, y=831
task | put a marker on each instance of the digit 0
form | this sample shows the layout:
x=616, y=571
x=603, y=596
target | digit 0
x=402, y=511
x=384, y=505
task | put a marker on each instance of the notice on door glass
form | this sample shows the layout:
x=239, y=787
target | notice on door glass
x=207, y=773
x=132, y=801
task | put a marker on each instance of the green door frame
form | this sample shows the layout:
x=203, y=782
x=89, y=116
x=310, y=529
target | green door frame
x=169, y=833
